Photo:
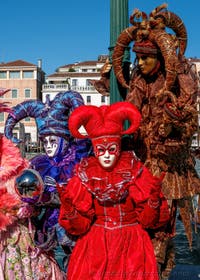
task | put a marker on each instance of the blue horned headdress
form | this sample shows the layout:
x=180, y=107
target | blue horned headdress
x=51, y=117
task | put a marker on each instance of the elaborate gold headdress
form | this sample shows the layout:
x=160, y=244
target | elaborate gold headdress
x=152, y=29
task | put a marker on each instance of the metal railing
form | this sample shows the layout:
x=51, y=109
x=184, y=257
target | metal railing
x=59, y=87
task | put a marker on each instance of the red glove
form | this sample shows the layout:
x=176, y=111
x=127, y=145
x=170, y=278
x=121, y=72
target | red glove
x=75, y=195
x=150, y=215
x=65, y=202
x=156, y=192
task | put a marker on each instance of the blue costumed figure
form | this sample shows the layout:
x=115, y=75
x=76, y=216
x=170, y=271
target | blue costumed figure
x=62, y=152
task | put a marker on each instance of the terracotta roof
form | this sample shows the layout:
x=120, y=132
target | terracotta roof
x=94, y=62
x=16, y=63
x=86, y=63
x=193, y=59
x=75, y=74
x=68, y=65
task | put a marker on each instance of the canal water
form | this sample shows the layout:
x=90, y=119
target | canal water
x=183, y=253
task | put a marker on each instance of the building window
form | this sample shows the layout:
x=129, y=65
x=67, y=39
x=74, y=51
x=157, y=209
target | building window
x=28, y=74
x=88, y=99
x=27, y=137
x=1, y=117
x=3, y=74
x=103, y=99
x=14, y=93
x=27, y=93
x=14, y=74
x=88, y=83
x=84, y=70
x=74, y=82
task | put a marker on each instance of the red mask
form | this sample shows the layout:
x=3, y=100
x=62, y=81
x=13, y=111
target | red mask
x=111, y=144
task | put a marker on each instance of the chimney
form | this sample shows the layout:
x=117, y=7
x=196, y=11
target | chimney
x=40, y=63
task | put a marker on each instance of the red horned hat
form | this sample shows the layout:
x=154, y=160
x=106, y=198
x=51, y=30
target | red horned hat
x=107, y=120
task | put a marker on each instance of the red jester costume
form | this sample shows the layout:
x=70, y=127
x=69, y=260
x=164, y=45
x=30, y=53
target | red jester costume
x=111, y=201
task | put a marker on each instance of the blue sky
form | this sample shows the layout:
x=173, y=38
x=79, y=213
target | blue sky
x=66, y=31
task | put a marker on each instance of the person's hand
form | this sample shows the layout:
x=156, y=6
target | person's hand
x=156, y=191
x=76, y=196
x=106, y=68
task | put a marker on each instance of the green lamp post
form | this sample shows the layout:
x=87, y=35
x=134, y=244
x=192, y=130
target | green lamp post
x=119, y=20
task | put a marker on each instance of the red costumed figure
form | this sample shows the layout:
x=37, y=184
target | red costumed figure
x=111, y=200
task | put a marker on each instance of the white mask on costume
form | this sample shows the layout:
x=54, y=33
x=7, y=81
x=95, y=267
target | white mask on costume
x=107, y=155
x=52, y=145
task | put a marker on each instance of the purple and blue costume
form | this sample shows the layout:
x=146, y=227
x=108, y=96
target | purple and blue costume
x=51, y=118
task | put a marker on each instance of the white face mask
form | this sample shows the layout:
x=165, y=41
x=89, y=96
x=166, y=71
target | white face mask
x=51, y=145
x=107, y=155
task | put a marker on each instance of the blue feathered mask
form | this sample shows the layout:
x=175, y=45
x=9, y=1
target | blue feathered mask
x=51, y=117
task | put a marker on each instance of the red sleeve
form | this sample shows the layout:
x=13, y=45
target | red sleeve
x=164, y=214
x=150, y=204
x=74, y=222
x=143, y=184
x=76, y=211
x=154, y=214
